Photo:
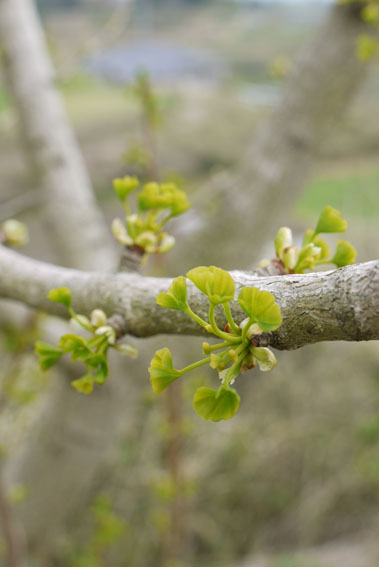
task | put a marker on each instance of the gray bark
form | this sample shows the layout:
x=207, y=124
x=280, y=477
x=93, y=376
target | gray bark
x=77, y=224
x=340, y=304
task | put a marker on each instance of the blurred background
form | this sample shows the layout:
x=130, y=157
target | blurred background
x=182, y=89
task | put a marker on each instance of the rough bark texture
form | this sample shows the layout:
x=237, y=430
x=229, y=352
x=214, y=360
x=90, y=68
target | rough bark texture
x=81, y=236
x=260, y=195
x=325, y=306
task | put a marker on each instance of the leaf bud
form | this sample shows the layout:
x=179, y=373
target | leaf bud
x=108, y=332
x=128, y=350
x=15, y=233
x=283, y=239
x=290, y=256
x=120, y=233
x=148, y=241
x=98, y=318
x=166, y=243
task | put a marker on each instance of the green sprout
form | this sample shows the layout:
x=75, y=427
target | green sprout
x=157, y=203
x=91, y=351
x=238, y=351
x=314, y=250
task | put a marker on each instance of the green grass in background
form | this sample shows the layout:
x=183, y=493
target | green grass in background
x=354, y=193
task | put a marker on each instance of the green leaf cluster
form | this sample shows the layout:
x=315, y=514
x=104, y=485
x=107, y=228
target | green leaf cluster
x=91, y=351
x=314, y=250
x=157, y=203
x=238, y=351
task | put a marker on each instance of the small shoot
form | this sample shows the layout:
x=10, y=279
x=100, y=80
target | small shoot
x=91, y=351
x=238, y=351
x=157, y=203
x=314, y=251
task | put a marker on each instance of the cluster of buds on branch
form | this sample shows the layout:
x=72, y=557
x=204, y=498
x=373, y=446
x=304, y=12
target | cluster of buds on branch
x=157, y=203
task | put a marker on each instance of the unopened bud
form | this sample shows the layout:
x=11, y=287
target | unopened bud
x=129, y=350
x=215, y=361
x=233, y=355
x=15, y=233
x=206, y=348
x=283, y=239
x=109, y=332
x=166, y=244
x=98, y=318
x=148, y=241
x=120, y=233
x=290, y=257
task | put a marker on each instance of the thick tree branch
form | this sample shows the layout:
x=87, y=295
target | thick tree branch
x=325, y=306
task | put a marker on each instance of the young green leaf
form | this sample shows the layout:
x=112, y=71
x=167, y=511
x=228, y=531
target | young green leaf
x=164, y=196
x=330, y=221
x=325, y=250
x=216, y=283
x=125, y=186
x=215, y=405
x=83, y=384
x=60, y=295
x=176, y=296
x=307, y=258
x=48, y=354
x=100, y=368
x=261, y=308
x=344, y=255
x=162, y=371
x=76, y=345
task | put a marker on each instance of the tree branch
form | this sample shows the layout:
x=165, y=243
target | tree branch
x=325, y=306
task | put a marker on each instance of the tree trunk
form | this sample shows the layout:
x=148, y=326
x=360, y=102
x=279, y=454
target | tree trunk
x=248, y=206
x=76, y=223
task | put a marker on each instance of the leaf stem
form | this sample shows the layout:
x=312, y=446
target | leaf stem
x=219, y=346
x=230, y=318
x=195, y=317
x=195, y=365
x=127, y=208
x=233, y=371
x=79, y=321
x=216, y=331
x=164, y=220
x=246, y=328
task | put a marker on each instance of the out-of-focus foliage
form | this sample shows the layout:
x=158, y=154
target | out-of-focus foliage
x=368, y=45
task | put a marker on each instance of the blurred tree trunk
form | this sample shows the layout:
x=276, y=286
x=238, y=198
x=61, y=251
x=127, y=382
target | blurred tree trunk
x=75, y=434
x=250, y=204
x=76, y=223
